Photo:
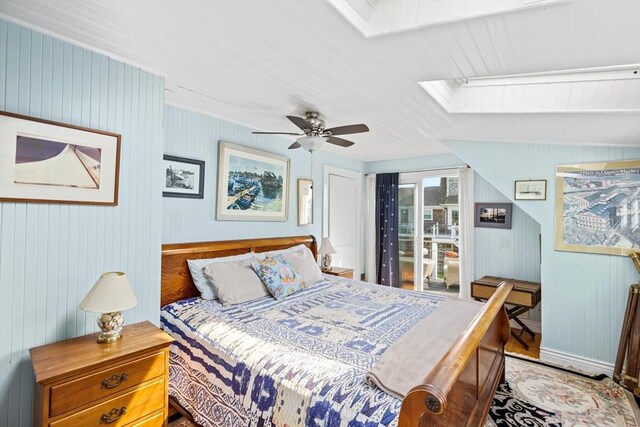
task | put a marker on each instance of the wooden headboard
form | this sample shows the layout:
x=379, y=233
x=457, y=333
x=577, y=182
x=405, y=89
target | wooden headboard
x=176, y=279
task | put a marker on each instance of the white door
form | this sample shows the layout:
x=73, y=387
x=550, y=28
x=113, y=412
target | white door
x=342, y=216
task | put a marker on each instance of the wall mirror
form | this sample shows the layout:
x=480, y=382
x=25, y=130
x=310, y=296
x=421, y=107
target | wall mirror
x=305, y=201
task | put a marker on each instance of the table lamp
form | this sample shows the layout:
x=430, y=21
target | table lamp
x=326, y=250
x=110, y=296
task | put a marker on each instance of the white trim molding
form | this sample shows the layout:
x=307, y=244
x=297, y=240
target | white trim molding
x=573, y=361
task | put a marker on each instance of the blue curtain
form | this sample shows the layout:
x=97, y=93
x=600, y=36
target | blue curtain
x=387, y=255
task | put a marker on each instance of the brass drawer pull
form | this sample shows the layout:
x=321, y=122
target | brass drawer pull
x=114, y=381
x=113, y=416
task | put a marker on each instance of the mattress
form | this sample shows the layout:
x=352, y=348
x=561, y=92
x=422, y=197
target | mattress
x=297, y=362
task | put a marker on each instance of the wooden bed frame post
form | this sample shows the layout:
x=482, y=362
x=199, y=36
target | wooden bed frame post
x=459, y=389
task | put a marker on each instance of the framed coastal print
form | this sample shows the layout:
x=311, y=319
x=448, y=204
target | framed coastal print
x=531, y=190
x=252, y=185
x=49, y=162
x=598, y=207
x=183, y=177
x=493, y=215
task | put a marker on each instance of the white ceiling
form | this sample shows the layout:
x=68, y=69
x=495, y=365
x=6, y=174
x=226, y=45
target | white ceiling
x=253, y=62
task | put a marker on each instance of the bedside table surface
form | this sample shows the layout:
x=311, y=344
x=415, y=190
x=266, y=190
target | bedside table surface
x=68, y=357
x=337, y=270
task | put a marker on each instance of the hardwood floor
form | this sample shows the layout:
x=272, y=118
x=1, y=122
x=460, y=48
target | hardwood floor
x=514, y=346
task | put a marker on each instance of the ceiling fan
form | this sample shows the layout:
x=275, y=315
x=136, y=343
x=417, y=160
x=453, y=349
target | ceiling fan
x=315, y=134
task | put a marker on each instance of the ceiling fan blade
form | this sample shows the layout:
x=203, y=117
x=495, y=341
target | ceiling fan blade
x=344, y=130
x=300, y=122
x=277, y=133
x=295, y=145
x=339, y=141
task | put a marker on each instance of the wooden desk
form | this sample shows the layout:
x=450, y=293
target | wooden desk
x=524, y=296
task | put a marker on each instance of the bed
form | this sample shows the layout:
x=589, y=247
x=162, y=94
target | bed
x=456, y=392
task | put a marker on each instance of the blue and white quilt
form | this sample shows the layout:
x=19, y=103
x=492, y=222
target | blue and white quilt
x=297, y=362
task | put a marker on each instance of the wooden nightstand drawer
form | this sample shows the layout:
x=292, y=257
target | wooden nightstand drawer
x=121, y=410
x=347, y=273
x=73, y=394
x=156, y=420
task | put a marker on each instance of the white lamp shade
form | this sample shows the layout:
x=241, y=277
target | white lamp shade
x=326, y=247
x=311, y=143
x=111, y=292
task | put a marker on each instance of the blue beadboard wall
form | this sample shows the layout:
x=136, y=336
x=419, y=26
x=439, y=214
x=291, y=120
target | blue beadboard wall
x=583, y=294
x=51, y=255
x=194, y=135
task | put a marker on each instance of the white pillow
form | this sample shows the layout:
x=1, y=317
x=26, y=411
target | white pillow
x=303, y=263
x=297, y=248
x=235, y=282
x=196, y=267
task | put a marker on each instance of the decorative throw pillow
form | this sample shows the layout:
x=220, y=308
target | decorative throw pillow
x=278, y=276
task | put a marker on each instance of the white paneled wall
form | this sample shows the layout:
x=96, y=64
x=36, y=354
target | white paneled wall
x=193, y=135
x=50, y=254
x=583, y=294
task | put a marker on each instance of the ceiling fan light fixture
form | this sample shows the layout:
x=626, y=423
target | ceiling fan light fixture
x=312, y=143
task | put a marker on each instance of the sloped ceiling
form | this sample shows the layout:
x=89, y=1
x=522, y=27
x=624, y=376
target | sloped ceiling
x=253, y=62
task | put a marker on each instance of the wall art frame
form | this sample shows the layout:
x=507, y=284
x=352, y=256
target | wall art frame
x=598, y=207
x=532, y=189
x=184, y=178
x=253, y=185
x=43, y=161
x=493, y=215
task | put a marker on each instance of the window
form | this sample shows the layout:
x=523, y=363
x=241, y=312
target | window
x=427, y=214
x=455, y=217
x=452, y=186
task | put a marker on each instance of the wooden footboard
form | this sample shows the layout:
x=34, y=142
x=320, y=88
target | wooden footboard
x=459, y=389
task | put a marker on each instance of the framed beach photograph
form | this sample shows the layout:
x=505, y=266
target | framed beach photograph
x=598, y=207
x=42, y=161
x=183, y=177
x=252, y=185
x=493, y=215
x=531, y=190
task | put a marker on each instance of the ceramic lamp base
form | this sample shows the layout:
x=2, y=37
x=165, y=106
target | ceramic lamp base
x=111, y=326
x=326, y=262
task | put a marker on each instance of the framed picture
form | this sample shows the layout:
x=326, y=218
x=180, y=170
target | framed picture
x=493, y=215
x=183, y=177
x=531, y=190
x=305, y=201
x=252, y=185
x=49, y=162
x=598, y=207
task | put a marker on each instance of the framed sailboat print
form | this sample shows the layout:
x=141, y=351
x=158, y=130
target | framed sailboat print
x=42, y=161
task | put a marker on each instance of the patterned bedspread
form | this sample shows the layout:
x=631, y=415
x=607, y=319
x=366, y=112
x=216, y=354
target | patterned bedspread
x=298, y=362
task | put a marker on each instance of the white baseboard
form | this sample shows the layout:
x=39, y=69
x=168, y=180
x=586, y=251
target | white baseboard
x=531, y=324
x=572, y=361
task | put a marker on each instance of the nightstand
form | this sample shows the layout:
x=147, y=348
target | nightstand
x=342, y=272
x=82, y=383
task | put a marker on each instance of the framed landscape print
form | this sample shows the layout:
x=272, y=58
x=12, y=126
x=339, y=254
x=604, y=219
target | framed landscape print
x=252, y=185
x=598, y=207
x=183, y=177
x=48, y=162
x=531, y=190
x=493, y=215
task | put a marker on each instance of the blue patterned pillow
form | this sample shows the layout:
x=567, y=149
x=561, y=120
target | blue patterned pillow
x=278, y=276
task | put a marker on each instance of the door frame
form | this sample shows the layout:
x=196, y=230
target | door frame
x=358, y=177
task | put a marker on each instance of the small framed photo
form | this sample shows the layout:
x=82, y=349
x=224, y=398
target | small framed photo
x=493, y=215
x=42, y=161
x=183, y=177
x=531, y=190
x=253, y=185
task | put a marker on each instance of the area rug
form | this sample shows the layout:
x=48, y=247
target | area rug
x=538, y=395
x=535, y=394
